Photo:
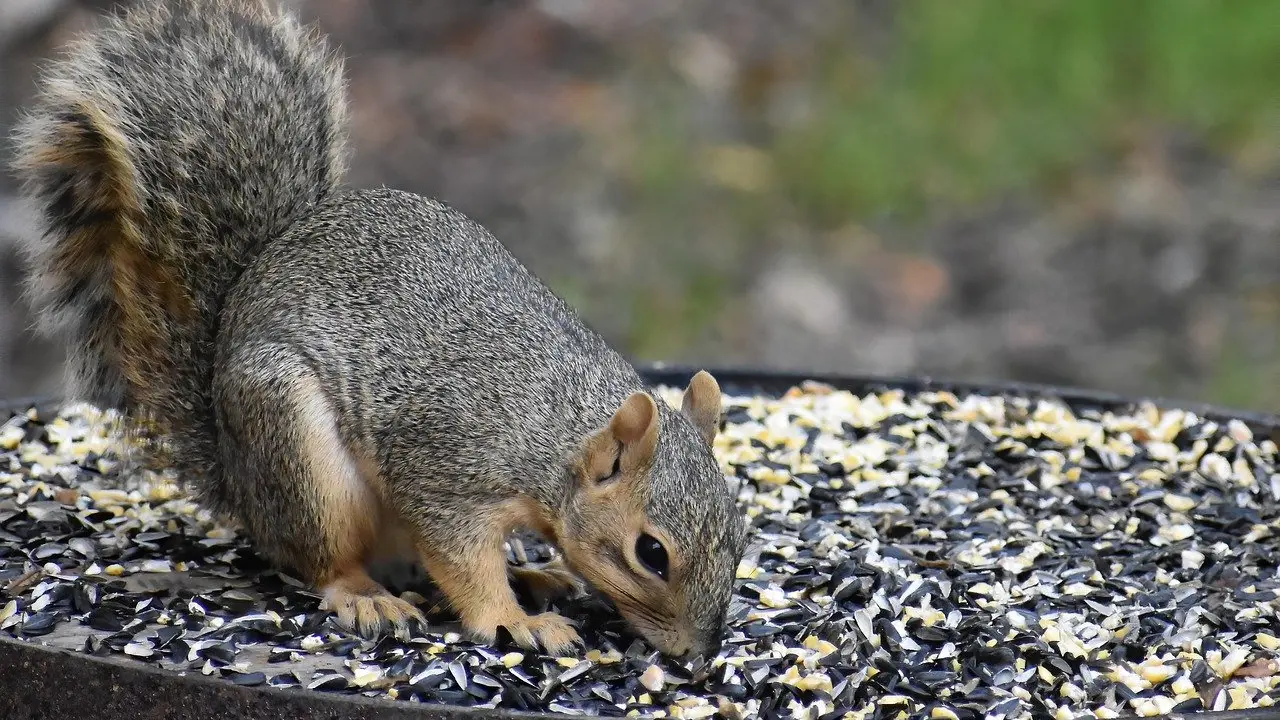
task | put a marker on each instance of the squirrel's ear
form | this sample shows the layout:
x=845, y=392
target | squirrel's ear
x=635, y=423
x=702, y=405
x=626, y=445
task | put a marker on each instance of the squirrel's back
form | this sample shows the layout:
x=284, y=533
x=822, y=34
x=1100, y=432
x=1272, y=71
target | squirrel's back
x=164, y=150
x=430, y=322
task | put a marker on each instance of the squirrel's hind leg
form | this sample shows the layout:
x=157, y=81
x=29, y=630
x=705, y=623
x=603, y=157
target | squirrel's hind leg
x=304, y=498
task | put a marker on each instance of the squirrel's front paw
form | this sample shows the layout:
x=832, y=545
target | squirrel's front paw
x=548, y=582
x=369, y=610
x=549, y=630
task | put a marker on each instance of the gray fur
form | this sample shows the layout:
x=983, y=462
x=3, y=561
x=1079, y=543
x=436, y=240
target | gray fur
x=460, y=371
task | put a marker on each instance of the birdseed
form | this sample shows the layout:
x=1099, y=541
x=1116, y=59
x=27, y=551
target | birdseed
x=913, y=554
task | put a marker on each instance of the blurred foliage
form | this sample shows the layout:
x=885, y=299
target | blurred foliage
x=965, y=101
x=985, y=96
x=840, y=141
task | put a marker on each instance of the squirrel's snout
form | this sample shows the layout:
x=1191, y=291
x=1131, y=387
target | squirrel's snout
x=706, y=647
x=711, y=646
x=687, y=646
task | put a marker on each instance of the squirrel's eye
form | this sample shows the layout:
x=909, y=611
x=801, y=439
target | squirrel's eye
x=652, y=555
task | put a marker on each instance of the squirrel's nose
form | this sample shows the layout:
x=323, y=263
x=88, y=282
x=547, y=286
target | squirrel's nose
x=712, y=646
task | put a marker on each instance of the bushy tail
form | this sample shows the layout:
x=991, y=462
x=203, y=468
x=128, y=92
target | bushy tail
x=162, y=152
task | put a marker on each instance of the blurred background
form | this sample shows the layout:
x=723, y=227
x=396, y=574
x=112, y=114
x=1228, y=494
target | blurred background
x=1082, y=192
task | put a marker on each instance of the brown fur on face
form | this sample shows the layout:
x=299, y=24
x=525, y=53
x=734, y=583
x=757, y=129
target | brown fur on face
x=606, y=514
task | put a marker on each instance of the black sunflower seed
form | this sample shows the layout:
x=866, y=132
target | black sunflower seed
x=248, y=679
x=41, y=623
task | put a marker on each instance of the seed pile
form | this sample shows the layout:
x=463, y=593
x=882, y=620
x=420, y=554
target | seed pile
x=921, y=555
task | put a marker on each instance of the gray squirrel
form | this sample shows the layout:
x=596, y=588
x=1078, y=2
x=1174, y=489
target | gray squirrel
x=351, y=375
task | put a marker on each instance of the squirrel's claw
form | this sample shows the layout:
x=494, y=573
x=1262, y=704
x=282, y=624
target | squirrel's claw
x=550, y=631
x=548, y=582
x=373, y=613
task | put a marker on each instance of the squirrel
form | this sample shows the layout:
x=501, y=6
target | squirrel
x=351, y=375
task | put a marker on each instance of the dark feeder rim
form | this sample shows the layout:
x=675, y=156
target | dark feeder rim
x=106, y=687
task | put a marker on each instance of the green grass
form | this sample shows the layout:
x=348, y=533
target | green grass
x=979, y=97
